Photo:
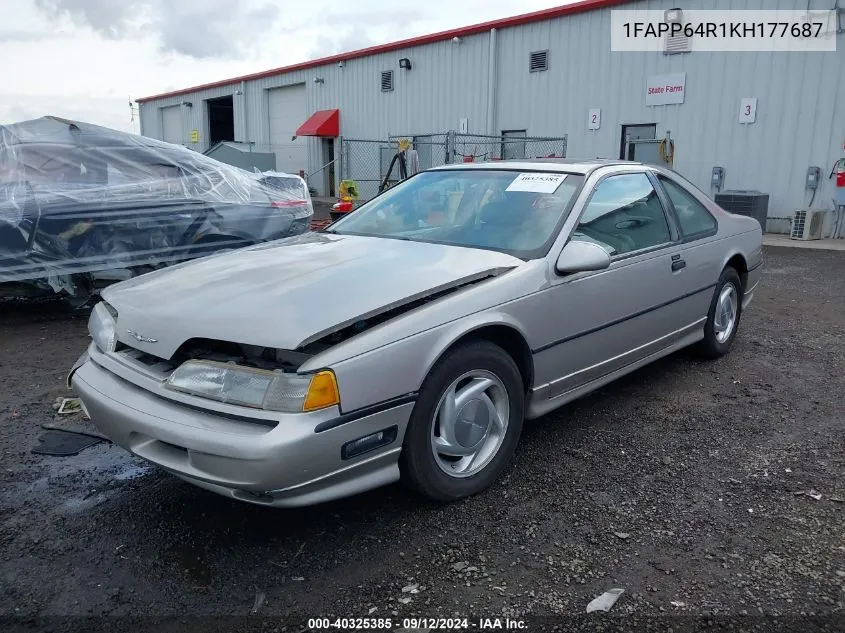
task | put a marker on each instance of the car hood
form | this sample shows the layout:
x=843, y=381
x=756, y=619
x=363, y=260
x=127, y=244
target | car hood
x=287, y=293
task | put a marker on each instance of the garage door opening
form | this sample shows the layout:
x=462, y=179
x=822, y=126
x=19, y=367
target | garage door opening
x=221, y=120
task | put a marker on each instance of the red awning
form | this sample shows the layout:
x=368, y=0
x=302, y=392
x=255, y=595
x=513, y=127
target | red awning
x=321, y=123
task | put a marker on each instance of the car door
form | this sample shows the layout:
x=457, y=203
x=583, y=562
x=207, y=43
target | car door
x=610, y=319
x=702, y=256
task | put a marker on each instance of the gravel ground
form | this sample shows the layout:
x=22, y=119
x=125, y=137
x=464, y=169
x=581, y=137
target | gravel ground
x=690, y=484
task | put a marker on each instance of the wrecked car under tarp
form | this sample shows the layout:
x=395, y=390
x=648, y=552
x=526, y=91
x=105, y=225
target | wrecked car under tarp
x=83, y=205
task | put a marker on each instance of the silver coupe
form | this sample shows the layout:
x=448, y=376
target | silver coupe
x=411, y=339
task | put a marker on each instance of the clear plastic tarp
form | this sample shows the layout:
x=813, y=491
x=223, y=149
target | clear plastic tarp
x=77, y=199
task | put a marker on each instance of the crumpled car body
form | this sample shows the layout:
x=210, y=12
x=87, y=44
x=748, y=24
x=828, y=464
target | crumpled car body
x=81, y=203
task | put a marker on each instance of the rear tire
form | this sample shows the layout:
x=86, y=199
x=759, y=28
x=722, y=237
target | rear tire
x=723, y=317
x=452, y=452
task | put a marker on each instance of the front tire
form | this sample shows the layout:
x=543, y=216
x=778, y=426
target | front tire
x=723, y=317
x=466, y=423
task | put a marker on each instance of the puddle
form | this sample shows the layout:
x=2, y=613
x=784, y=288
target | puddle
x=131, y=472
x=39, y=485
x=76, y=505
x=80, y=481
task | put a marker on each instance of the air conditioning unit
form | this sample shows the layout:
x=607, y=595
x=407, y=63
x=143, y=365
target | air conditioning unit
x=753, y=204
x=807, y=224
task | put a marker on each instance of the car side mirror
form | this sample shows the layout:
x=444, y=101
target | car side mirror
x=577, y=257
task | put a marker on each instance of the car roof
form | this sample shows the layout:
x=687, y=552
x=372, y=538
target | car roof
x=562, y=165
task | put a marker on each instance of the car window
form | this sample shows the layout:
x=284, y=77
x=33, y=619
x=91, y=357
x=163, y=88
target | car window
x=283, y=183
x=60, y=165
x=511, y=211
x=692, y=216
x=624, y=215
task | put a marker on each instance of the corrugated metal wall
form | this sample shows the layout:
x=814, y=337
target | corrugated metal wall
x=447, y=82
x=800, y=113
x=194, y=117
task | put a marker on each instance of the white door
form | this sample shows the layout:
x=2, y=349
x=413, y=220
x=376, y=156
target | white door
x=171, y=128
x=287, y=112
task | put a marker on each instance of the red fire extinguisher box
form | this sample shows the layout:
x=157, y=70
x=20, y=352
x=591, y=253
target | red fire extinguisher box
x=839, y=185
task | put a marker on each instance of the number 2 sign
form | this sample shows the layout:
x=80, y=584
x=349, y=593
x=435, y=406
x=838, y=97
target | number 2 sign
x=594, y=119
x=748, y=110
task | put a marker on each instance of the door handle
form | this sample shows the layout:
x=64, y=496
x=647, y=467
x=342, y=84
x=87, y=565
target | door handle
x=678, y=265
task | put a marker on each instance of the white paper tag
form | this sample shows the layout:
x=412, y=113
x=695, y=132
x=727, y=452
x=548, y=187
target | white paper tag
x=536, y=183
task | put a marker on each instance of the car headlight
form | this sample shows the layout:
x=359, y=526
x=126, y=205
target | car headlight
x=102, y=327
x=257, y=388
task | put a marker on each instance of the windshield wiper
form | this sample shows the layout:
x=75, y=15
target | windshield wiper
x=390, y=237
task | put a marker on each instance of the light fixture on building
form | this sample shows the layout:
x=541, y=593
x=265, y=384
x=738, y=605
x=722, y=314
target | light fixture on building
x=405, y=63
x=456, y=40
x=673, y=15
x=187, y=104
x=319, y=80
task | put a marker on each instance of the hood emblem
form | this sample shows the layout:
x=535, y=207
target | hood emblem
x=140, y=337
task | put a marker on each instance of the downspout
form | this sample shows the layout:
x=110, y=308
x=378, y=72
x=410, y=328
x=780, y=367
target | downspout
x=492, y=79
x=244, y=134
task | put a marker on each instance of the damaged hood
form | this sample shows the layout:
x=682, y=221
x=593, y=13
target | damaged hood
x=287, y=293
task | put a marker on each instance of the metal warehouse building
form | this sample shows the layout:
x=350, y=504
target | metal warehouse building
x=485, y=91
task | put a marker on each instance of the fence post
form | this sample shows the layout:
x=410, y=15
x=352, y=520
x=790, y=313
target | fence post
x=340, y=164
x=450, y=146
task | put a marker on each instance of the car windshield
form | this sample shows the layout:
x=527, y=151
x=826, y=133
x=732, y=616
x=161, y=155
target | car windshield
x=516, y=212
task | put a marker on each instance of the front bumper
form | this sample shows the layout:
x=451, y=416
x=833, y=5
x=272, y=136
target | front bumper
x=287, y=465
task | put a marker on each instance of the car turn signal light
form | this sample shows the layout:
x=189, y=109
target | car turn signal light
x=322, y=392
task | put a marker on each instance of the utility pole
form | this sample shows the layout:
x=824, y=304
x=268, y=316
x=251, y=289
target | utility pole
x=133, y=110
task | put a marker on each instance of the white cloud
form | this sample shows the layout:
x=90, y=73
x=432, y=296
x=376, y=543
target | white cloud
x=195, y=28
x=106, y=111
x=85, y=58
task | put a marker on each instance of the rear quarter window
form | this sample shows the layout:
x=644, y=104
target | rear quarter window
x=693, y=217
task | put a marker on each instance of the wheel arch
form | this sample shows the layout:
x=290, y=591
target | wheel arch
x=504, y=333
x=737, y=261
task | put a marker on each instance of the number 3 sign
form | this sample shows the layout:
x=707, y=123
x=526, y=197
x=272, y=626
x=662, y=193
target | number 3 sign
x=594, y=119
x=748, y=110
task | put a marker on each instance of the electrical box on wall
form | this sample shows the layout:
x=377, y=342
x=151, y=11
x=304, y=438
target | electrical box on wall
x=813, y=176
x=717, y=178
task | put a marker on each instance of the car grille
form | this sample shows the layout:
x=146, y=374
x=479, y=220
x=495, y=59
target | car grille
x=145, y=363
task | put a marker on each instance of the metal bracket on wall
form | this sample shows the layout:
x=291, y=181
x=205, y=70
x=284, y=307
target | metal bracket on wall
x=840, y=11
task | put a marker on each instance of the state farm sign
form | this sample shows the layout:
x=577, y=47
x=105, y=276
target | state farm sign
x=665, y=89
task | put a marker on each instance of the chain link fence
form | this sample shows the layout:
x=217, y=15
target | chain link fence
x=367, y=161
x=432, y=149
x=480, y=147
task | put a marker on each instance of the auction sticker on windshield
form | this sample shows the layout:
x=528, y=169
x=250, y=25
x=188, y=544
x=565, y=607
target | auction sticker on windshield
x=536, y=183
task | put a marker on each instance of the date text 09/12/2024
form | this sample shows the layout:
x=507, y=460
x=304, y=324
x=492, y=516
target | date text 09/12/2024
x=445, y=624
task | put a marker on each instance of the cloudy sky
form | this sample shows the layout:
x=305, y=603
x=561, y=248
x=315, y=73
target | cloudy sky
x=84, y=59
